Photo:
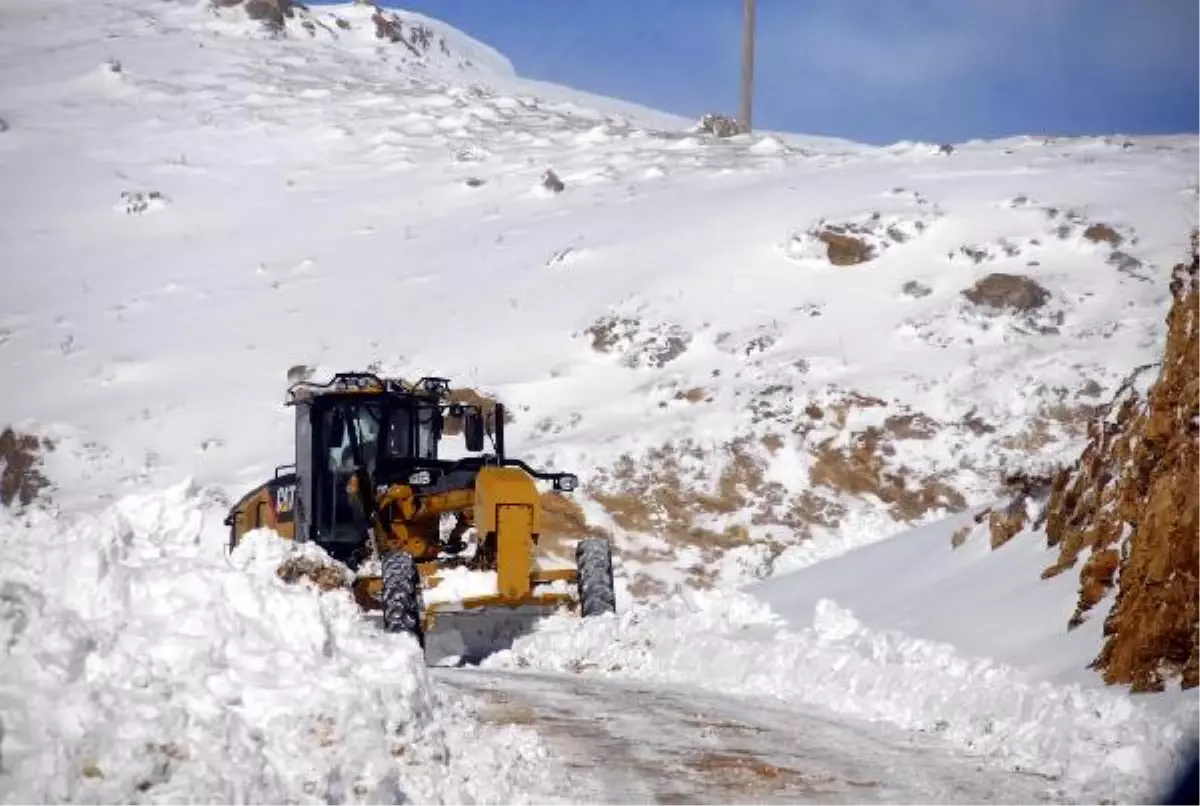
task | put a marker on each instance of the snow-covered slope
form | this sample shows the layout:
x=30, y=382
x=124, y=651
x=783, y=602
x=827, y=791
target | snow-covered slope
x=192, y=203
x=241, y=203
x=986, y=603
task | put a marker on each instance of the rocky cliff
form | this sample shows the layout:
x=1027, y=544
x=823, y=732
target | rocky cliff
x=1129, y=506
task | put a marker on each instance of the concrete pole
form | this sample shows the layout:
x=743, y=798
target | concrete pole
x=747, y=64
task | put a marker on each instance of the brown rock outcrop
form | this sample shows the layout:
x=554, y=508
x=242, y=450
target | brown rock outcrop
x=845, y=249
x=1012, y=291
x=21, y=478
x=1131, y=500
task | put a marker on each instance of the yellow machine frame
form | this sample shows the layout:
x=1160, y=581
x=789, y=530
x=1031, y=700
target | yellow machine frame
x=502, y=505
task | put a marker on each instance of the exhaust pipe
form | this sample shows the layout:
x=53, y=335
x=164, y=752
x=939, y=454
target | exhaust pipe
x=498, y=413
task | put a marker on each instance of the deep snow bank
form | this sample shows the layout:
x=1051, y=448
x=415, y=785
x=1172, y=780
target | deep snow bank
x=138, y=662
x=985, y=602
x=1090, y=743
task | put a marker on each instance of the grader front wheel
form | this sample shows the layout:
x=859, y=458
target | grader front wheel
x=593, y=558
x=402, y=607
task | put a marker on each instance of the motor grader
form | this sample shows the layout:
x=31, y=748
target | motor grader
x=369, y=488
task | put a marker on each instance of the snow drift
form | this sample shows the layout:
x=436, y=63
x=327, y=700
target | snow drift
x=138, y=662
x=1088, y=743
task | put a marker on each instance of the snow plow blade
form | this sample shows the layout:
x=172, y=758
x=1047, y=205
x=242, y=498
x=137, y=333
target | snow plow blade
x=368, y=592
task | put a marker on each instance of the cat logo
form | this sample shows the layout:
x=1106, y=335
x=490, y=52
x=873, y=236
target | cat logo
x=285, y=498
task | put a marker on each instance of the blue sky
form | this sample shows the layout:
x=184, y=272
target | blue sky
x=875, y=71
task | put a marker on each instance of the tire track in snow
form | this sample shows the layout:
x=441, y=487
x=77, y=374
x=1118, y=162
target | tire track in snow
x=629, y=743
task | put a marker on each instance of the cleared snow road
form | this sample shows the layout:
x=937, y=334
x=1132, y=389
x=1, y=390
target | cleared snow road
x=630, y=743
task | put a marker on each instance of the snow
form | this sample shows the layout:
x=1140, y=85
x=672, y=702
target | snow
x=456, y=584
x=1089, y=743
x=299, y=177
x=628, y=742
x=1002, y=608
x=191, y=206
x=967, y=643
x=139, y=662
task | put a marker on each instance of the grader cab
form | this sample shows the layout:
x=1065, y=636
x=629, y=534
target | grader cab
x=370, y=489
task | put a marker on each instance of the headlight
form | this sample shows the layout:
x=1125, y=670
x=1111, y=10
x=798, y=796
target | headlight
x=566, y=483
x=421, y=477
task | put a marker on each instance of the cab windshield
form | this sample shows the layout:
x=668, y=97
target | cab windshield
x=410, y=434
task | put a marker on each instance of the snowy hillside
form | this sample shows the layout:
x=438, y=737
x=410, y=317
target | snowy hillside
x=668, y=326
x=756, y=353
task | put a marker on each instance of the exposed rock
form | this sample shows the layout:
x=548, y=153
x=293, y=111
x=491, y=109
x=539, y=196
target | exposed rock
x=847, y=243
x=915, y=289
x=977, y=254
x=325, y=577
x=1127, y=264
x=913, y=425
x=719, y=125
x=977, y=425
x=552, y=183
x=845, y=250
x=273, y=13
x=563, y=523
x=761, y=343
x=861, y=470
x=694, y=395
x=960, y=536
x=946, y=148
x=1132, y=498
x=639, y=345
x=1027, y=492
x=669, y=491
x=1103, y=233
x=1095, y=580
x=391, y=27
x=137, y=202
x=1011, y=291
x=21, y=478
x=608, y=332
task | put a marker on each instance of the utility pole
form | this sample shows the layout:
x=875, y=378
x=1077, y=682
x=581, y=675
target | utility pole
x=747, y=64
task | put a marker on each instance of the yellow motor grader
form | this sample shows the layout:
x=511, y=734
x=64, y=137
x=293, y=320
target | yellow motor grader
x=368, y=487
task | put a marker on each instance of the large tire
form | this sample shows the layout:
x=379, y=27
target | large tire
x=403, y=610
x=593, y=559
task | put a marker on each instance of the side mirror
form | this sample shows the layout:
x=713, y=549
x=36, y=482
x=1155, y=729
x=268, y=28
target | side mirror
x=472, y=425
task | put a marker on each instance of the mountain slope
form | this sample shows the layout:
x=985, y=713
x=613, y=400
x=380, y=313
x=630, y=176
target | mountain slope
x=757, y=352
x=670, y=322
